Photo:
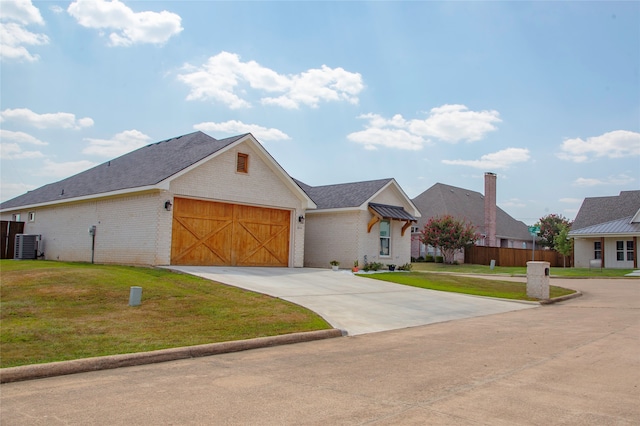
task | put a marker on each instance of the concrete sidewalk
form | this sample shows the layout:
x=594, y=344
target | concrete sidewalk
x=571, y=363
x=355, y=304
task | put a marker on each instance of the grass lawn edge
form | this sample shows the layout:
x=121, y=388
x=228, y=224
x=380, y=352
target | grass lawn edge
x=83, y=365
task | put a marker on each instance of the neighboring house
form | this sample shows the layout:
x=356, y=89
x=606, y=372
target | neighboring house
x=189, y=200
x=606, y=230
x=356, y=221
x=497, y=228
x=195, y=200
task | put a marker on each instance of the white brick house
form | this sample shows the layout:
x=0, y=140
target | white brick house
x=195, y=200
x=356, y=221
x=606, y=231
x=135, y=202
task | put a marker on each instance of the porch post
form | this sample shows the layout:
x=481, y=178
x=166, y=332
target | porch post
x=635, y=252
x=603, y=249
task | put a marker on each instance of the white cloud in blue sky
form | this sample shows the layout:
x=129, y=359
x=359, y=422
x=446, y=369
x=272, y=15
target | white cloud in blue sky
x=15, y=38
x=221, y=77
x=119, y=144
x=128, y=27
x=235, y=127
x=424, y=92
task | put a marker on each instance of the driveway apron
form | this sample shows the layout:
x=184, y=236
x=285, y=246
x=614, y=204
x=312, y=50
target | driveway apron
x=355, y=304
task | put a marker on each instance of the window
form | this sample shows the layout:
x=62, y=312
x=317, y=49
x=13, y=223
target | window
x=15, y=217
x=597, y=250
x=242, y=165
x=622, y=248
x=32, y=216
x=385, y=238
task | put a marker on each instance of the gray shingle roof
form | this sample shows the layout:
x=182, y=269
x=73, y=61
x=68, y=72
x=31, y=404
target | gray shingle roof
x=598, y=210
x=391, y=212
x=146, y=166
x=468, y=205
x=619, y=226
x=343, y=195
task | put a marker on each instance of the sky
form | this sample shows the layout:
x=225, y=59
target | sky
x=544, y=94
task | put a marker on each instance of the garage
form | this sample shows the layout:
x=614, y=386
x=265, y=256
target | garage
x=224, y=234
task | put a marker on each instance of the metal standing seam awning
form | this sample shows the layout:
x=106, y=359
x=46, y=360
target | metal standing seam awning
x=385, y=211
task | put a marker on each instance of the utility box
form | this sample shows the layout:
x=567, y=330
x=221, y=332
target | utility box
x=135, y=296
x=538, y=274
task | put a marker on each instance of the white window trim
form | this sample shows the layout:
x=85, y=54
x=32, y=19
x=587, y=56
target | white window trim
x=381, y=237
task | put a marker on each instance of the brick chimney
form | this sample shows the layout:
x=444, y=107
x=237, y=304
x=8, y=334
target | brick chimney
x=490, y=209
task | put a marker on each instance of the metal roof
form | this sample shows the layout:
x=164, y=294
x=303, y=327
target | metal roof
x=614, y=227
x=391, y=212
x=600, y=210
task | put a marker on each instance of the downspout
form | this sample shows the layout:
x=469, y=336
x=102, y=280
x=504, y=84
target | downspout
x=603, y=249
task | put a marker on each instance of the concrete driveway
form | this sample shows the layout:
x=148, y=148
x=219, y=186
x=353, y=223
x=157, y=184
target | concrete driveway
x=355, y=304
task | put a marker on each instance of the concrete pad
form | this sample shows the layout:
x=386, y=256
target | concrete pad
x=355, y=304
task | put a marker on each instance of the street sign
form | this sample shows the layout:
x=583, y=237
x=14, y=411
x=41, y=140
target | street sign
x=534, y=231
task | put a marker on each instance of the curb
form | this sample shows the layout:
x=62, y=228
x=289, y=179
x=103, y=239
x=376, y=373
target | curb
x=61, y=368
x=561, y=298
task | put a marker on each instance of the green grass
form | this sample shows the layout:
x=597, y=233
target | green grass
x=54, y=311
x=463, y=284
x=515, y=270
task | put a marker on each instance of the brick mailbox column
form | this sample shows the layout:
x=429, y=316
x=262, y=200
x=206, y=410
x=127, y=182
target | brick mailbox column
x=538, y=279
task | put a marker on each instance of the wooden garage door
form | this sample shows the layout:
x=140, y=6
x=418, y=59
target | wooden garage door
x=217, y=234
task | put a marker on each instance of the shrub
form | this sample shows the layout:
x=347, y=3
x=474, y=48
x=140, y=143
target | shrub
x=428, y=258
x=439, y=259
x=421, y=259
x=405, y=267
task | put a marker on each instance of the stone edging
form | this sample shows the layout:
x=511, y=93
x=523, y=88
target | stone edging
x=40, y=371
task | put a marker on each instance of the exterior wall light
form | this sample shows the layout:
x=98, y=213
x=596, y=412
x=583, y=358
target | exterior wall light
x=168, y=205
x=301, y=219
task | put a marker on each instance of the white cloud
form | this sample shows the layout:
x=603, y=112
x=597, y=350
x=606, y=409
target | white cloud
x=14, y=37
x=621, y=179
x=219, y=77
x=496, y=160
x=21, y=11
x=454, y=123
x=120, y=144
x=128, y=27
x=10, y=190
x=237, y=127
x=63, y=170
x=513, y=202
x=13, y=151
x=448, y=123
x=571, y=200
x=20, y=137
x=374, y=137
x=63, y=120
x=615, y=144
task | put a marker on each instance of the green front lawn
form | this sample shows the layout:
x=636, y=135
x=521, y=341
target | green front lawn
x=54, y=311
x=465, y=284
x=515, y=270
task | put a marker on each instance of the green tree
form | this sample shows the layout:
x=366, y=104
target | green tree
x=550, y=226
x=448, y=234
x=563, y=244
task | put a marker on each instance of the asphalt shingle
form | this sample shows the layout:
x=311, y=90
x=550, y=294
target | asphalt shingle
x=146, y=166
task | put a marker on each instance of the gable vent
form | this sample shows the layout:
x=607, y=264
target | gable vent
x=242, y=165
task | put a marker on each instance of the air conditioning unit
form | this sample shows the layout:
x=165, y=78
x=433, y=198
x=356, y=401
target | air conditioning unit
x=26, y=246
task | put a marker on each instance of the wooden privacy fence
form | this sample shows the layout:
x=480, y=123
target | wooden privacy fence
x=9, y=231
x=480, y=255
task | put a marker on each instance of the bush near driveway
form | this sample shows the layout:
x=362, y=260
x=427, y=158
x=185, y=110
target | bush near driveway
x=55, y=311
